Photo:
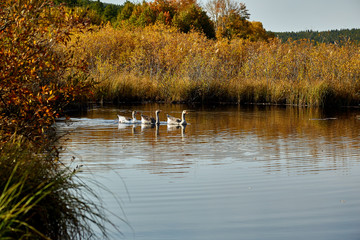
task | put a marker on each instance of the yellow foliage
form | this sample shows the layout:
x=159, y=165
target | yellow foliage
x=160, y=63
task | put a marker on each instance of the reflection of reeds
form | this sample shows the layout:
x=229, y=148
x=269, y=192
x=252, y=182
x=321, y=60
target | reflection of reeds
x=41, y=200
x=158, y=63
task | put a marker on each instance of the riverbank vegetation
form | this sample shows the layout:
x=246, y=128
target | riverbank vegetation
x=159, y=63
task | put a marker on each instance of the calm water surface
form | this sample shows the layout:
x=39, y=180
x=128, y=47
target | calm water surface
x=232, y=173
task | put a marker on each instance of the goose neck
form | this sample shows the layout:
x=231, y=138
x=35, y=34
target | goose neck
x=157, y=118
x=183, y=117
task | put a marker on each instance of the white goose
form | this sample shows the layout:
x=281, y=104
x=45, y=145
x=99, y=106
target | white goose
x=151, y=120
x=123, y=119
x=176, y=121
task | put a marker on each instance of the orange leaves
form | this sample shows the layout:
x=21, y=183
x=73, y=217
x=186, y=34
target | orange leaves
x=33, y=88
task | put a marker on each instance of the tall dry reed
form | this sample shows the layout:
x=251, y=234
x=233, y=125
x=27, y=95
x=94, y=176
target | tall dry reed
x=159, y=63
x=42, y=199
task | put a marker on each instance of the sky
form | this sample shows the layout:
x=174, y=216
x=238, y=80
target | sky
x=299, y=15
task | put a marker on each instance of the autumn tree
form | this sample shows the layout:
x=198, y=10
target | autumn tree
x=36, y=80
x=258, y=32
x=234, y=26
x=181, y=5
x=226, y=14
x=231, y=20
x=164, y=11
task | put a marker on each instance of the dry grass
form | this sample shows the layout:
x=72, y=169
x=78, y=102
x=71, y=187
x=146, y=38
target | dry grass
x=41, y=199
x=159, y=63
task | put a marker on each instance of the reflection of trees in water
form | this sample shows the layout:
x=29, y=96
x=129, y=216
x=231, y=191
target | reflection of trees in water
x=280, y=139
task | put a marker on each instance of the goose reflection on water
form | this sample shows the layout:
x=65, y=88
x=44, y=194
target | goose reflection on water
x=171, y=128
x=124, y=126
x=176, y=127
x=146, y=126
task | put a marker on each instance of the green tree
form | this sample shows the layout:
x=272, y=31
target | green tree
x=126, y=11
x=146, y=17
x=98, y=7
x=142, y=15
x=110, y=12
x=194, y=18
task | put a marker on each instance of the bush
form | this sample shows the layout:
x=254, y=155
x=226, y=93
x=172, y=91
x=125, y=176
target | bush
x=36, y=80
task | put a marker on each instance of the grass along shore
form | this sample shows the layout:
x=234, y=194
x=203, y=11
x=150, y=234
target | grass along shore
x=42, y=199
x=157, y=63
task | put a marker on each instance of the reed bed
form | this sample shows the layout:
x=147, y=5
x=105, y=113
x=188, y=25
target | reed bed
x=42, y=199
x=158, y=63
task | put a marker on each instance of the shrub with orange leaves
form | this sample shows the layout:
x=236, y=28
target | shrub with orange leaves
x=35, y=81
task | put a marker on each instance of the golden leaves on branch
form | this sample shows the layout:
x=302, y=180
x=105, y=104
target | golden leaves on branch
x=33, y=89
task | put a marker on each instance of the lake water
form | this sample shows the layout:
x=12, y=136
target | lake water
x=255, y=172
